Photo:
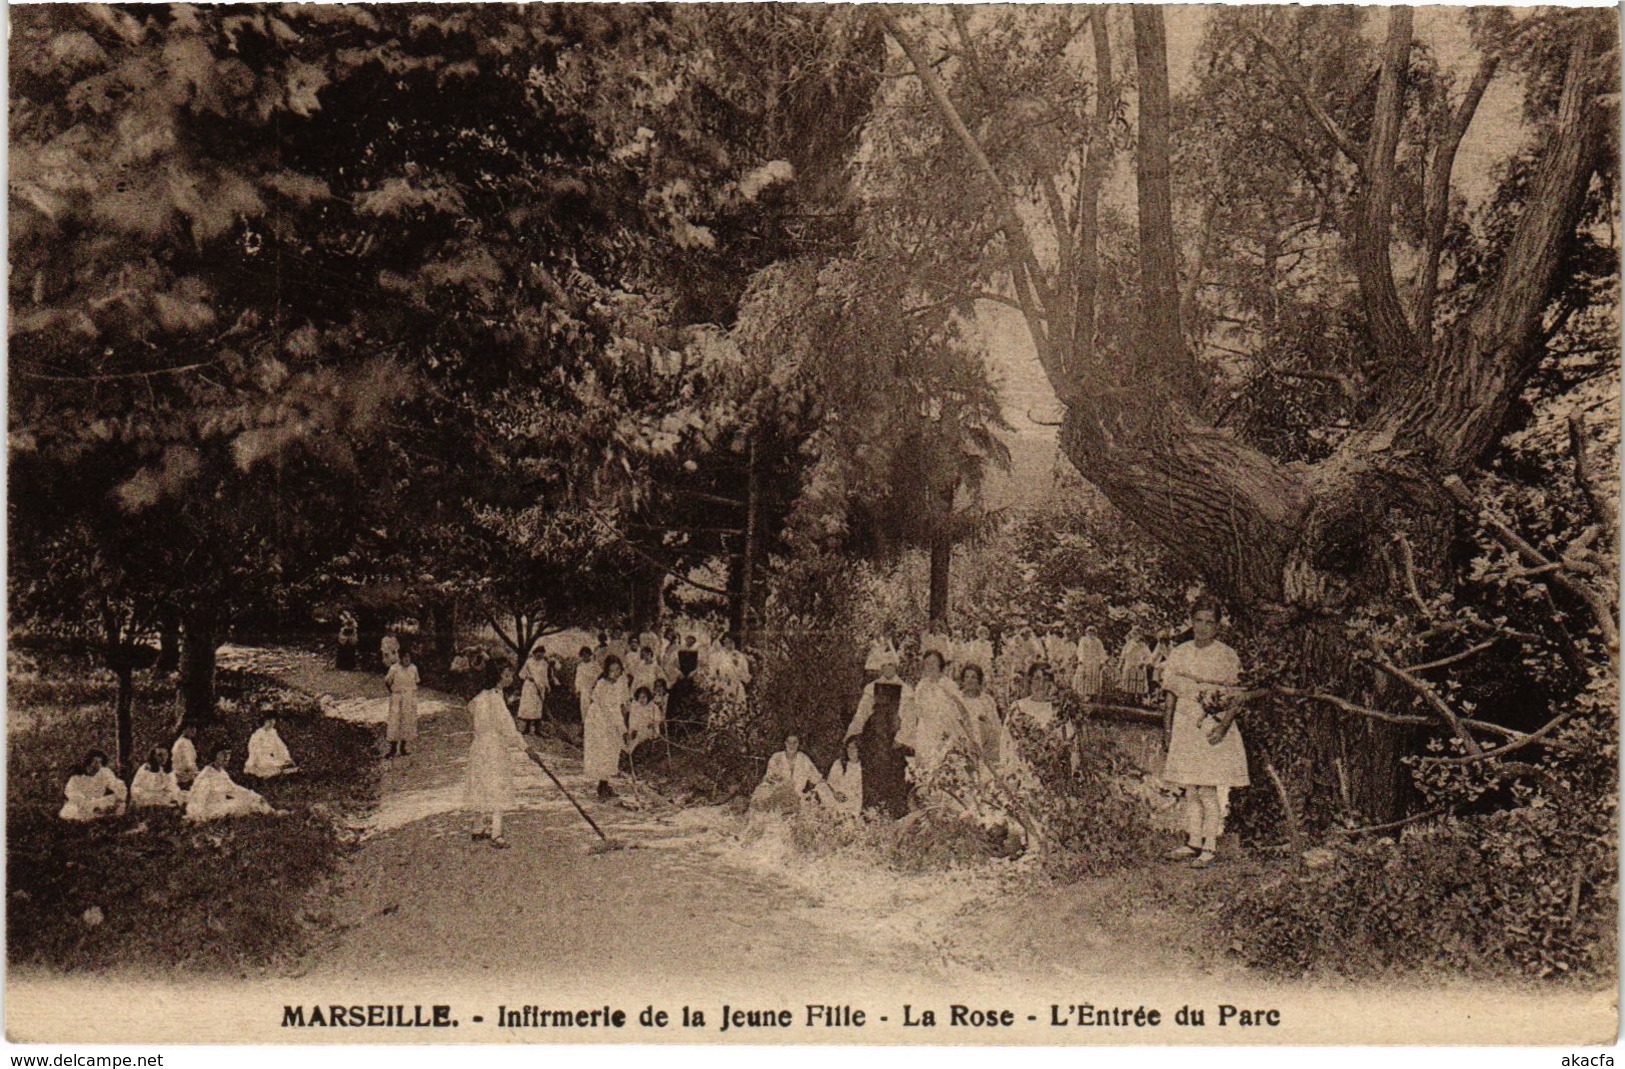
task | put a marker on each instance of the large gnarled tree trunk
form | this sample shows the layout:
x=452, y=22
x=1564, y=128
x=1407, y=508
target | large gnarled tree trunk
x=1294, y=545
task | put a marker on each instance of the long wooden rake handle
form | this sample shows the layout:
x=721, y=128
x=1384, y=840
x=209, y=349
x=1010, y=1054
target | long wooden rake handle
x=590, y=822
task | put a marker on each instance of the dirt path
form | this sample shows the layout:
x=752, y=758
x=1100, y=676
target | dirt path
x=696, y=895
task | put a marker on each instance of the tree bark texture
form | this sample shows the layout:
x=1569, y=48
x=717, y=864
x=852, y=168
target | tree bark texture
x=200, y=638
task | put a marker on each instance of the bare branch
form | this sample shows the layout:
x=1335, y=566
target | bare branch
x=1343, y=704
x=1425, y=691
x=1454, y=658
x=1322, y=117
x=1025, y=272
x=1436, y=198
x=1407, y=560
x=1602, y=613
x=1395, y=824
x=1587, y=478
x=1484, y=755
x=1347, y=384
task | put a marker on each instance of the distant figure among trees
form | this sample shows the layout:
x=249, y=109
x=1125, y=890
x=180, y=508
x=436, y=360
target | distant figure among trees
x=349, y=640
x=402, y=725
x=1089, y=679
x=1132, y=675
x=534, y=679
x=183, y=756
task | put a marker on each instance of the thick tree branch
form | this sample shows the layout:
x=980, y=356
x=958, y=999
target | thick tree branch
x=1436, y=198
x=1373, y=215
x=1086, y=204
x=1026, y=275
x=1425, y=691
x=1161, y=333
x=1304, y=96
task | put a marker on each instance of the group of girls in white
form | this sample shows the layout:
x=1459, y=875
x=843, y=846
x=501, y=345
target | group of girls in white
x=1085, y=665
x=902, y=731
x=170, y=778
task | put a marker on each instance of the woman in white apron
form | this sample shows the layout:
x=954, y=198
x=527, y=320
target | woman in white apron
x=1205, y=752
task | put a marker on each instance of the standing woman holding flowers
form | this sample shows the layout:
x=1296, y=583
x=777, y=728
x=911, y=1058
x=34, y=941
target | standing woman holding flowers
x=1205, y=751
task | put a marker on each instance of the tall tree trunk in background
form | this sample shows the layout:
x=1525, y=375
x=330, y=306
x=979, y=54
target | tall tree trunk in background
x=169, y=640
x=200, y=638
x=942, y=553
x=123, y=710
x=1298, y=549
x=736, y=595
x=749, y=594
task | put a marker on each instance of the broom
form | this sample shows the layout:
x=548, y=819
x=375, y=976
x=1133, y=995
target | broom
x=606, y=844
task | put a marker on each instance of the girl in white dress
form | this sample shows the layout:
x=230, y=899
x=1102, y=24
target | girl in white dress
x=402, y=681
x=1132, y=669
x=588, y=668
x=94, y=792
x=488, y=789
x=215, y=794
x=939, y=717
x=183, y=757
x=154, y=785
x=790, y=778
x=268, y=755
x=643, y=718
x=1038, y=709
x=534, y=678
x=644, y=670
x=1205, y=752
x=845, y=781
x=603, y=731
x=982, y=712
x=1090, y=676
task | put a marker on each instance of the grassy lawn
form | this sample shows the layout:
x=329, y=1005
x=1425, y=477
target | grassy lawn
x=146, y=891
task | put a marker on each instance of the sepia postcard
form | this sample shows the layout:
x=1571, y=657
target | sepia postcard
x=713, y=524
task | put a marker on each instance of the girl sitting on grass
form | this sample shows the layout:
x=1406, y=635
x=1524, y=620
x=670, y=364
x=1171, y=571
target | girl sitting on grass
x=154, y=785
x=95, y=791
x=215, y=795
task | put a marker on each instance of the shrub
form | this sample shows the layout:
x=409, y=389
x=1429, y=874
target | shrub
x=1076, y=798
x=1516, y=893
x=930, y=840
